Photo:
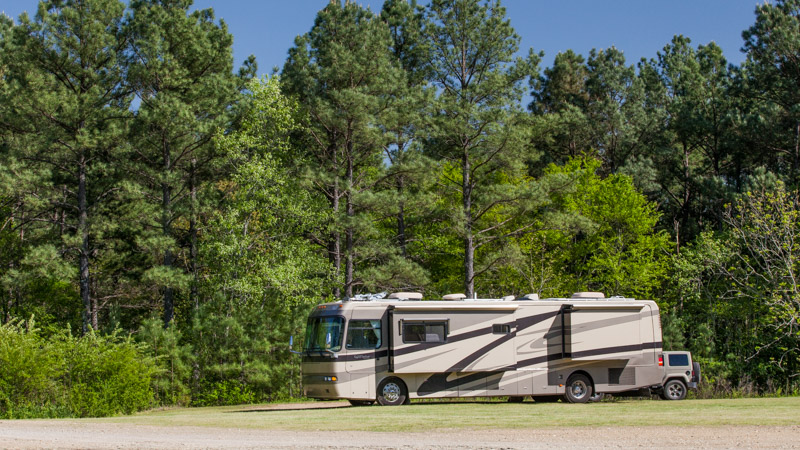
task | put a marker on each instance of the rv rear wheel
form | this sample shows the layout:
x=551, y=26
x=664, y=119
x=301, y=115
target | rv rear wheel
x=392, y=392
x=361, y=402
x=674, y=390
x=579, y=389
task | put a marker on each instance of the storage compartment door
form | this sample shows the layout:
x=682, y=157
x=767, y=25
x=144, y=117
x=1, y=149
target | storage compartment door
x=603, y=334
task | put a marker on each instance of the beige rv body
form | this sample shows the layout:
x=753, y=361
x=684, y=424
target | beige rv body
x=475, y=348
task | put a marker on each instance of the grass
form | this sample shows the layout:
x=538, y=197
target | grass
x=480, y=415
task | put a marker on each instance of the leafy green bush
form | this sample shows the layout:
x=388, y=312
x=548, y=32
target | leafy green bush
x=173, y=359
x=68, y=376
x=28, y=374
x=105, y=375
x=227, y=392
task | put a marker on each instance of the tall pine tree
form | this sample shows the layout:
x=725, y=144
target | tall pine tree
x=344, y=76
x=67, y=106
x=479, y=128
x=182, y=72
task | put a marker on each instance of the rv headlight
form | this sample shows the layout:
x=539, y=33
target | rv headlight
x=330, y=378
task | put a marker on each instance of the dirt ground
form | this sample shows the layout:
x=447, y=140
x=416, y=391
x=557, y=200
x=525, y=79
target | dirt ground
x=77, y=434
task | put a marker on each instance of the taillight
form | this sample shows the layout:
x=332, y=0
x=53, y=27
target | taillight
x=660, y=360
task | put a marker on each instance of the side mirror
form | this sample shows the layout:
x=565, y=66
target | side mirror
x=328, y=340
x=291, y=341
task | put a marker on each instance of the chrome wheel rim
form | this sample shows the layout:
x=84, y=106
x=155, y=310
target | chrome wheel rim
x=391, y=392
x=578, y=389
x=675, y=390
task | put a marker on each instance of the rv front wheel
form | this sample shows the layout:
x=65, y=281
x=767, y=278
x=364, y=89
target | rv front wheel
x=579, y=389
x=392, y=392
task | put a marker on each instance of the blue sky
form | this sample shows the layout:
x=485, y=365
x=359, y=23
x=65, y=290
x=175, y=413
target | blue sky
x=640, y=28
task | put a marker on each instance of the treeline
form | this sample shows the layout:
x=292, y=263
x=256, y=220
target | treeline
x=147, y=188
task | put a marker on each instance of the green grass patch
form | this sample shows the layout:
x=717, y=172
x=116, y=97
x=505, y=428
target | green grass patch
x=480, y=415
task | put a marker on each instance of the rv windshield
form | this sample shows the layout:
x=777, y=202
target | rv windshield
x=324, y=333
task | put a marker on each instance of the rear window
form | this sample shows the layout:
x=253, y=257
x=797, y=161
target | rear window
x=678, y=360
x=424, y=332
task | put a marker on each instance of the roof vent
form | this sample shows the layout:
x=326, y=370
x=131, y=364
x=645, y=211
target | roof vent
x=406, y=295
x=454, y=297
x=530, y=297
x=508, y=298
x=588, y=295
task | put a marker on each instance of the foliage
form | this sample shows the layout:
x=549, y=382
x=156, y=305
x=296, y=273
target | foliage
x=140, y=176
x=479, y=130
x=601, y=239
x=174, y=361
x=68, y=376
x=346, y=80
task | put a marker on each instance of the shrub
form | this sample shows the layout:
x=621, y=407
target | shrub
x=173, y=359
x=105, y=375
x=67, y=376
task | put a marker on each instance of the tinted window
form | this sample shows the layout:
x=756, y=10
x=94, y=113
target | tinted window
x=500, y=328
x=678, y=360
x=424, y=331
x=324, y=333
x=363, y=334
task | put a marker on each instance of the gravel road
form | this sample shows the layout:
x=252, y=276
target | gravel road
x=77, y=434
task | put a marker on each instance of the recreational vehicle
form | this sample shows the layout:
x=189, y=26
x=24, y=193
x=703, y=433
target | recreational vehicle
x=398, y=348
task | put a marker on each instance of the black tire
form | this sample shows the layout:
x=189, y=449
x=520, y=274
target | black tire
x=674, y=390
x=546, y=398
x=696, y=368
x=361, y=402
x=516, y=399
x=578, y=389
x=596, y=397
x=392, y=392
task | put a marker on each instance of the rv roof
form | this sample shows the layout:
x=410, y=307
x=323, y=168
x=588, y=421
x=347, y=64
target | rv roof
x=460, y=298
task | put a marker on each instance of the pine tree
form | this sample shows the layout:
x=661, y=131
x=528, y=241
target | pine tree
x=66, y=105
x=345, y=78
x=772, y=74
x=480, y=130
x=182, y=72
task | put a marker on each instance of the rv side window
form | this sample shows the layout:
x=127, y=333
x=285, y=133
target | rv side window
x=501, y=328
x=364, y=334
x=424, y=332
x=678, y=360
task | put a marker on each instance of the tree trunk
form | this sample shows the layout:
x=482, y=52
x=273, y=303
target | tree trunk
x=349, y=263
x=401, y=220
x=83, y=263
x=193, y=295
x=166, y=211
x=469, y=247
x=334, y=244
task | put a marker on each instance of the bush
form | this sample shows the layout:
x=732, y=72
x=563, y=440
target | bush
x=28, y=374
x=173, y=359
x=67, y=376
x=106, y=375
